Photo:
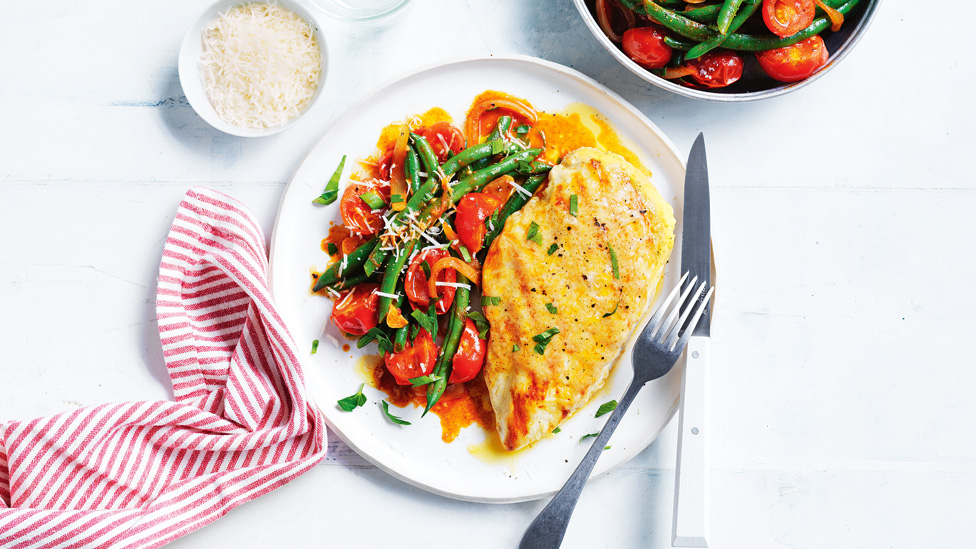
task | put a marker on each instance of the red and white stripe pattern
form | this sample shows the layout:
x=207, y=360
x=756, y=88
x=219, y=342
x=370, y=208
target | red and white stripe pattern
x=146, y=473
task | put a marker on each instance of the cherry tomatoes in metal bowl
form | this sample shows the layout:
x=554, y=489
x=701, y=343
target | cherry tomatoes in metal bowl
x=646, y=46
x=788, y=17
x=796, y=62
x=690, y=29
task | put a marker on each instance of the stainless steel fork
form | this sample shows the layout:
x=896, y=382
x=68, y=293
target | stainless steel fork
x=655, y=352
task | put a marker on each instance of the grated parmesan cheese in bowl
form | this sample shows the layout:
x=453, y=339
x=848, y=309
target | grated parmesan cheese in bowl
x=251, y=69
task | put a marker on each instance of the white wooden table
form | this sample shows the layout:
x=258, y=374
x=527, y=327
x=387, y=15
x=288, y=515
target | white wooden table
x=843, y=216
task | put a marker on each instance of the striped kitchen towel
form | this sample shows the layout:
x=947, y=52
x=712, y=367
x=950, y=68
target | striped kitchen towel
x=143, y=474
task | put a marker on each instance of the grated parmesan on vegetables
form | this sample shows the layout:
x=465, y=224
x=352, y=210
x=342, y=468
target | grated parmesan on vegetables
x=260, y=65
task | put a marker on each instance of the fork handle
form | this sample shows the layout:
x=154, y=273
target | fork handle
x=549, y=526
x=691, y=489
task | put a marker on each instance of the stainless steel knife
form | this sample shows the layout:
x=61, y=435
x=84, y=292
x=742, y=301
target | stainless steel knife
x=691, y=491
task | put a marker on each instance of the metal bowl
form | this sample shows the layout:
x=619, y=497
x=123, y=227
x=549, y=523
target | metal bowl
x=754, y=84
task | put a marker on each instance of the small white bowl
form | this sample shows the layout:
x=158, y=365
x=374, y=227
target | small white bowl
x=192, y=82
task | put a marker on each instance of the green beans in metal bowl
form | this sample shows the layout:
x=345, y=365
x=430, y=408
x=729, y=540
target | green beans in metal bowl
x=728, y=50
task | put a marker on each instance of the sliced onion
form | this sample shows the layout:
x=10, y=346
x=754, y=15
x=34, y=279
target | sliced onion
x=604, y=18
x=677, y=72
x=836, y=17
x=473, y=125
x=398, y=180
x=468, y=270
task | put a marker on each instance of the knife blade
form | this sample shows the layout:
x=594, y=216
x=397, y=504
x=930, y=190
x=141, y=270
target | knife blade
x=690, y=527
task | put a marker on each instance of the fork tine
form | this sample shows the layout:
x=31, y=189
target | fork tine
x=694, y=321
x=673, y=336
x=669, y=322
x=653, y=323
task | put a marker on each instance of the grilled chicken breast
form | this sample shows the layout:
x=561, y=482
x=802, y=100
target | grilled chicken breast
x=591, y=275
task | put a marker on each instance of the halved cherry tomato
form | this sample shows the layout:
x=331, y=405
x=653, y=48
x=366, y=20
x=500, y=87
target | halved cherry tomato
x=445, y=139
x=357, y=215
x=717, y=68
x=472, y=211
x=415, y=360
x=788, y=17
x=415, y=283
x=355, y=312
x=796, y=62
x=470, y=356
x=645, y=45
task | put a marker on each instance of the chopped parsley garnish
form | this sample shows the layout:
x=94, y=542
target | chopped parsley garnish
x=497, y=146
x=490, y=300
x=542, y=340
x=613, y=311
x=425, y=267
x=425, y=380
x=613, y=262
x=373, y=200
x=332, y=248
x=515, y=347
x=315, y=346
x=524, y=128
x=545, y=335
x=606, y=408
x=376, y=334
x=396, y=198
x=553, y=248
x=393, y=418
x=465, y=254
x=573, y=205
x=588, y=435
x=551, y=308
x=533, y=233
x=425, y=321
x=481, y=323
x=332, y=188
x=556, y=431
x=350, y=403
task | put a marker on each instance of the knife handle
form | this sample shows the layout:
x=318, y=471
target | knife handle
x=691, y=489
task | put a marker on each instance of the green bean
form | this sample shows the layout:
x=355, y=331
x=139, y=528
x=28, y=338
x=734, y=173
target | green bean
x=427, y=156
x=391, y=277
x=482, y=177
x=400, y=335
x=346, y=283
x=514, y=204
x=455, y=328
x=501, y=128
x=427, y=192
x=472, y=155
x=712, y=43
x=411, y=166
x=726, y=14
x=678, y=44
x=746, y=42
x=357, y=258
x=706, y=14
x=534, y=168
x=742, y=42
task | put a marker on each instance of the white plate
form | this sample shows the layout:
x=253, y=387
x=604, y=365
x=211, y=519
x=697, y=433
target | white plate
x=416, y=453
